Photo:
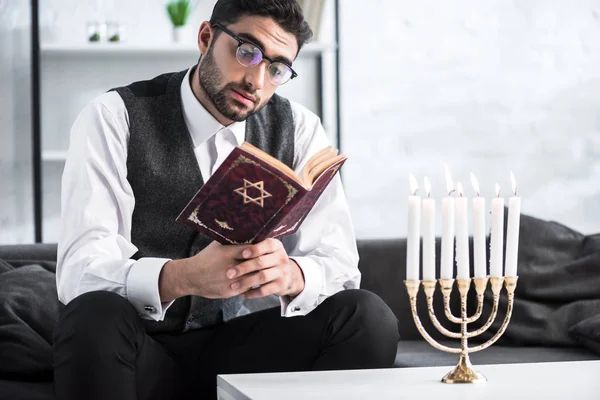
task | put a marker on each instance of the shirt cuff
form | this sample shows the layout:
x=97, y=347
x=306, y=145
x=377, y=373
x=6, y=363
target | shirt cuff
x=142, y=288
x=308, y=299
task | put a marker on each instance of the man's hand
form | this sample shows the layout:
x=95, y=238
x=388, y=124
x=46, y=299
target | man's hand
x=267, y=270
x=204, y=274
x=223, y=271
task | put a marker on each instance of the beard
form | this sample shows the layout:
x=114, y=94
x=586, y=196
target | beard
x=210, y=78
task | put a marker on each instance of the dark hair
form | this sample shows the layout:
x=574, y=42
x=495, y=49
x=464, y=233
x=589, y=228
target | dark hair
x=287, y=13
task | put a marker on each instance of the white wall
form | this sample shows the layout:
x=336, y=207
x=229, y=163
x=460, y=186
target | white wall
x=16, y=189
x=483, y=86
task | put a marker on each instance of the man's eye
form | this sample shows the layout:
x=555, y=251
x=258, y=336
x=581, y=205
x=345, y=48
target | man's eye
x=277, y=70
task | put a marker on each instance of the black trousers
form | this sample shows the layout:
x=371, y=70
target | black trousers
x=101, y=350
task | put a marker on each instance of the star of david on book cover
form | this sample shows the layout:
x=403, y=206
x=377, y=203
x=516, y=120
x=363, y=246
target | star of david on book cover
x=263, y=194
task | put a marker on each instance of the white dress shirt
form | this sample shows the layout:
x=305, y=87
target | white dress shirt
x=97, y=206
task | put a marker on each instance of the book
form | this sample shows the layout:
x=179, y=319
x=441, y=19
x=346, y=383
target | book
x=253, y=196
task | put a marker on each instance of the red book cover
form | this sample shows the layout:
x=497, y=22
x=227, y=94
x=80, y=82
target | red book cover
x=249, y=199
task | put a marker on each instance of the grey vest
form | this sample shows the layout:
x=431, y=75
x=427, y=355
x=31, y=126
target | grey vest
x=164, y=175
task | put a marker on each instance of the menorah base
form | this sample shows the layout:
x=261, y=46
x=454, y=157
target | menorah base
x=464, y=373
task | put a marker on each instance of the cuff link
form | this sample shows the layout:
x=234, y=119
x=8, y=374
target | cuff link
x=150, y=309
x=295, y=309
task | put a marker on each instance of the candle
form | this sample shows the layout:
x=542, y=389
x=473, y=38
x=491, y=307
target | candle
x=414, y=232
x=462, y=235
x=447, y=259
x=497, y=235
x=428, y=234
x=479, y=255
x=512, y=231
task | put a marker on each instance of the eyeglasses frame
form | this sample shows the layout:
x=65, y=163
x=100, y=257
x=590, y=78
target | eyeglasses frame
x=243, y=41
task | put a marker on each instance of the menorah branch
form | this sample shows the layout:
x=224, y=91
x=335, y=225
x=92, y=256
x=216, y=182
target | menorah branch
x=429, y=287
x=480, y=286
x=496, y=288
x=463, y=372
x=446, y=285
x=413, y=288
x=511, y=284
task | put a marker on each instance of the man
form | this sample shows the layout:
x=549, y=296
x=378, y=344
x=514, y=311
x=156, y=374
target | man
x=152, y=307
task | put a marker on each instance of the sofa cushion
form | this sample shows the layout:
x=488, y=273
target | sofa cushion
x=587, y=332
x=28, y=315
x=559, y=277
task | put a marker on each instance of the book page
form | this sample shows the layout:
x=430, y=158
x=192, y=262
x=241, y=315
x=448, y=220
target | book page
x=311, y=162
x=269, y=159
x=314, y=167
x=319, y=163
x=318, y=169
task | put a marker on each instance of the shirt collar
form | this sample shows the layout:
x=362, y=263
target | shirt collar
x=201, y=124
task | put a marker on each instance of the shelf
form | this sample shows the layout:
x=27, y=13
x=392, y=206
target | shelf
x=54, y=155
x=128, y=49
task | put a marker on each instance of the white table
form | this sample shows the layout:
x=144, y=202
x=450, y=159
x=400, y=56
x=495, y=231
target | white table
x=560, y=380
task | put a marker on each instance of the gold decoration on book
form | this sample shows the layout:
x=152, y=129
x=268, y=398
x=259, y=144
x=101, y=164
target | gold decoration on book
x=194, y=216
x=243, y=191
x=241, y=160
x=223, y=224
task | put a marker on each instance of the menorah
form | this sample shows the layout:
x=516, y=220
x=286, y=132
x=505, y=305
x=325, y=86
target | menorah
x=463, y=372
x=455, y=225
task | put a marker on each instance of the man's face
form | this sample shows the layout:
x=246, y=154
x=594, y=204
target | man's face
x=235, y=90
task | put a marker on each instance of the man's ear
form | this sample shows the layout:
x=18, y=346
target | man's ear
x=205, y=37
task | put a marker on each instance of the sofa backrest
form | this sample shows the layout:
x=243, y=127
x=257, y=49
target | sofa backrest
x=382, y=264
x=25, y=254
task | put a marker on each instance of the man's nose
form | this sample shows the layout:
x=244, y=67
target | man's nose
x=255, y=75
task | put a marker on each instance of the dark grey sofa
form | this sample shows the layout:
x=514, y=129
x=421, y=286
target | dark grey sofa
x=551, y=322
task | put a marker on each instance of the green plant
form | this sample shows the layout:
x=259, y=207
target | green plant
x=179, y=11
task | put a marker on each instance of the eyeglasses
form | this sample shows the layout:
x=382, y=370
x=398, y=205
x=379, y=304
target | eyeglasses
x=249, y=54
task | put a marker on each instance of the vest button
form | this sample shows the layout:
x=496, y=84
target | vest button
x=190, y=320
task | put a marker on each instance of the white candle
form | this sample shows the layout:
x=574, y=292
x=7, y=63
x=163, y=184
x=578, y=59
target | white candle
x=414, y=232
x=497, y=235
x=462, y=235
x=479, y=254
x=512, y=231
x=428, y=234
x=447, y=258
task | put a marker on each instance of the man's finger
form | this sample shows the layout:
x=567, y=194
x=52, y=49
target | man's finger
x=256, y=264
x=273, y=287
x=259, y=278
x=256, y=250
